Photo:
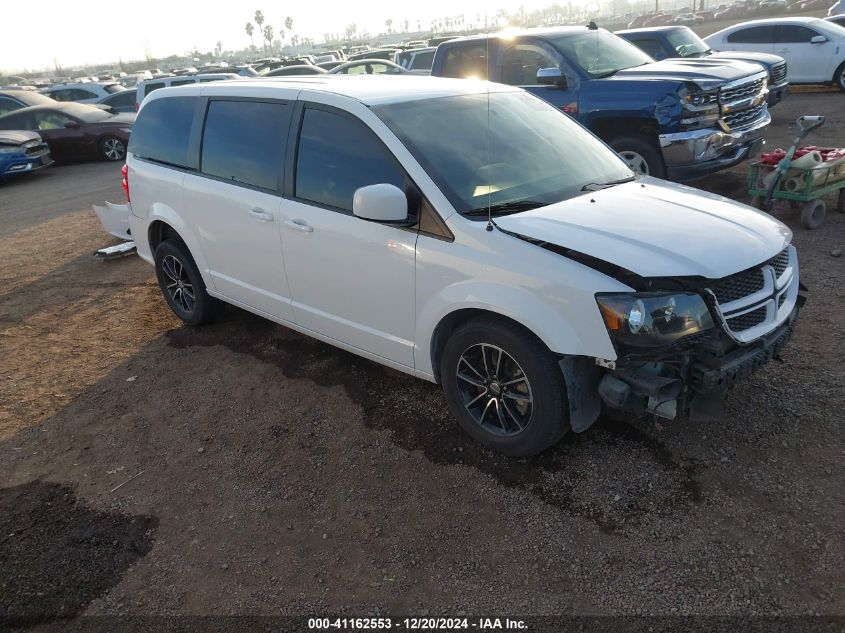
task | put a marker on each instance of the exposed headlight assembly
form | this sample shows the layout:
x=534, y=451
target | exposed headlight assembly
x=653, y=319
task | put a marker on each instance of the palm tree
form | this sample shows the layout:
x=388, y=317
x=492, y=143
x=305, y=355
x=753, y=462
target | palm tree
x=268, y=35
x=249, y=31
x=289, y=23
x=388, y=23
x=259, y=19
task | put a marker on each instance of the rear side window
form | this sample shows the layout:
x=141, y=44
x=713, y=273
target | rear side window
x=245, y=141
x=148, y=88
x=162, y=131
x=181, y=82
x=111, y=88
x=422, y=61
x=336, y=156
x=124, y=98
x=793, y=34
x=466, y=62
x=753, y=35
x=7, y=105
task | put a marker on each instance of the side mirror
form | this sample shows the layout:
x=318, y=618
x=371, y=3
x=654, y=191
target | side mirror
x=380, y=203
x=551, y=77
x=818, y=39
x=72, y=125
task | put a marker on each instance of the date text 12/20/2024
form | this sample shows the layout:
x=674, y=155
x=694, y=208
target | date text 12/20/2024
x=417, y=624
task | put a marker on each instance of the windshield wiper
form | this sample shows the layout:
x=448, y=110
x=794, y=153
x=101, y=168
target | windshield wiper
x=503, y=208
x=595, y=186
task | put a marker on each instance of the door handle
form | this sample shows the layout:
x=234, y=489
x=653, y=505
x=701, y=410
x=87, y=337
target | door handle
x=261, y=214
x=299, y=225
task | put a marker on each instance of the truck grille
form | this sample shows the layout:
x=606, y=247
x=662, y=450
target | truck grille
x=744, y=117
x=755, y=301
x=743, y=91
x=778, y=73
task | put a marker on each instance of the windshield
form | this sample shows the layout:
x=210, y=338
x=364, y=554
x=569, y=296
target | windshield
x=686, y=43
x=537, y=154
x=599, y=53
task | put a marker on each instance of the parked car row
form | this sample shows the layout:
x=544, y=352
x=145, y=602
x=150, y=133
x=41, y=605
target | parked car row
x=700, y=107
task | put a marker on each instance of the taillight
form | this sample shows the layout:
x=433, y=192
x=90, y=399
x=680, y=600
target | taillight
x=570, y=108
x=125, y=182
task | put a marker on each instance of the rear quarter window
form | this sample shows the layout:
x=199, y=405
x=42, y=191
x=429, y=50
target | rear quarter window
x=148, y=88
x=466, y=62
x=162, y=131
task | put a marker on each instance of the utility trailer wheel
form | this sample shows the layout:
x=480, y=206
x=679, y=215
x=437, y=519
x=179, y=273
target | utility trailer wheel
x=813, y=214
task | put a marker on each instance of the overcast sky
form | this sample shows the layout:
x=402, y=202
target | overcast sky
x=35, y=32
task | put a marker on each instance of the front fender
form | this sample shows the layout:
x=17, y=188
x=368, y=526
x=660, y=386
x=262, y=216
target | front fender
x=515, y=303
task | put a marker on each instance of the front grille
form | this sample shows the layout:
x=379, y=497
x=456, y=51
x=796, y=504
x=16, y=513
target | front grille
x=780, y=262
x=748, y=320
x=743, y=91
x=778, y=73
x=738, y=286
x=744, y=117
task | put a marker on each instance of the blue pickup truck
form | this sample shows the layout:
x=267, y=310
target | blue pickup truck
x=677, y=119
x=664, y=42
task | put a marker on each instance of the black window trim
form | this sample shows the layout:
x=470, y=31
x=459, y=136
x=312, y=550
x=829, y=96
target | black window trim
x=202, y=116
x=297, y=120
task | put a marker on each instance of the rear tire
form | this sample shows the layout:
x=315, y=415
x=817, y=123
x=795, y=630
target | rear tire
x=813, y=214
x=640, y=154
x=182, y=285
x=112, y=148
x=839, y=77
x=505, y=387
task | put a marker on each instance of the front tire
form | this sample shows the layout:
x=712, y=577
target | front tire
x=182, y=286
x=641, y=155
x=505, y=387
x=112, y=148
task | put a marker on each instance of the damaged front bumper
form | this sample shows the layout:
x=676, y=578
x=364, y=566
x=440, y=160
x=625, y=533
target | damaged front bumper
x=697, y=153
x=692, y=378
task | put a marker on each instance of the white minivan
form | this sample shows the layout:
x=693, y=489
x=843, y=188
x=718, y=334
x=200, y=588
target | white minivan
x=464, y=232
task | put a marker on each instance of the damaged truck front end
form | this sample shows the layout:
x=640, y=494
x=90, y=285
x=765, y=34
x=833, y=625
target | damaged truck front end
x=682, y=343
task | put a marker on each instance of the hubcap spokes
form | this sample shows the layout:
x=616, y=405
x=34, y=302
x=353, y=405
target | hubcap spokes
x=494, y=389
x=635, y=161
x=179, y=286
x=113, y=149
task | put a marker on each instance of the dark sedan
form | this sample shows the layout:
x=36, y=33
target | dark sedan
x=75, y=130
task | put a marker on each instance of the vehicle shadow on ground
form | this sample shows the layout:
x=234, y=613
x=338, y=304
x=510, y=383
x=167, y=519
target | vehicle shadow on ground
x=57, y=554
x=577, y=475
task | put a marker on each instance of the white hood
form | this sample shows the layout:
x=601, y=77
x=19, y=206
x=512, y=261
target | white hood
x=656, y=229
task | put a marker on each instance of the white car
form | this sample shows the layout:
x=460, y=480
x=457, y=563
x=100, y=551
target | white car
x=355, y=210
x=838, y=8
x=814, y=49
x=89, y=92
x=146, y=86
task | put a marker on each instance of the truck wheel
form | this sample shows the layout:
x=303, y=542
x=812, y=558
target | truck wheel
x=505, y=387
x=182, y=286
x=641, y=155
x=813, y=213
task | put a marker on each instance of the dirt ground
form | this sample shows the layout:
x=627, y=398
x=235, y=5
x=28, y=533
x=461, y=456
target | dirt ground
x=240, y=468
